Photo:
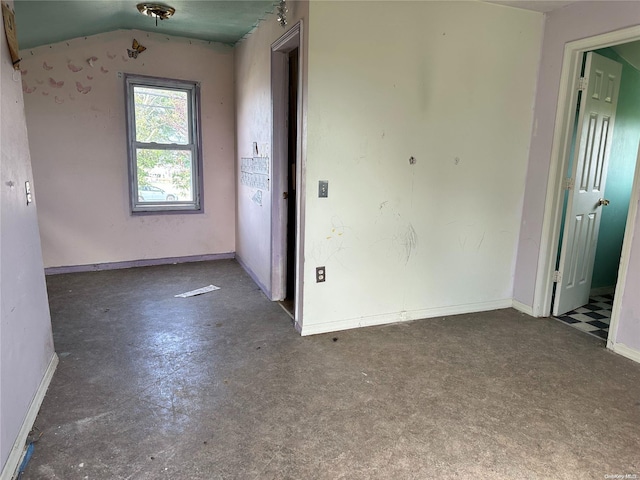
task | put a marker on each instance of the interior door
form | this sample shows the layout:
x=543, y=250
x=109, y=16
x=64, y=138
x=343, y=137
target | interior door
x=586, y=199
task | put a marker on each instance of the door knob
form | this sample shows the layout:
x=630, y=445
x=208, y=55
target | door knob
x=603, y=202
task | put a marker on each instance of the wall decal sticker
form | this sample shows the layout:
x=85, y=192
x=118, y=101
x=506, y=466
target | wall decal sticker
x=26, y=89
x=45, y=93
x=54, y=84
x=104, y=70
x=137, y=49
x=59, y=100
x=81, y=89
x=91, y=61
x=24, y=72
x=89, y=77
x=111, y=55
x=73, y=68
x=124, y=59
x=45, y=66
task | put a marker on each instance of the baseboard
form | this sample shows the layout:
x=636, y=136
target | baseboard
x=94, y=267
x=18, y=449
x=602, y=291
x=630, y=353
x=521, y=307
x=254, y=277
x=397, y=317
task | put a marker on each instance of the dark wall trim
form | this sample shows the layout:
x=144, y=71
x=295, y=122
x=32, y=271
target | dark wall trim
x=255, y=278
x=94, y=267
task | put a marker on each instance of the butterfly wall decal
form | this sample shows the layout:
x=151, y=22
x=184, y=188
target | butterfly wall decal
x=82, y=89
x=26, y=88
x=73, y=68
x=54, y=84
x=137, y=48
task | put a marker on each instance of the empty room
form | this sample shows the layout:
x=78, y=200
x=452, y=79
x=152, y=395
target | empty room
x=320, y=239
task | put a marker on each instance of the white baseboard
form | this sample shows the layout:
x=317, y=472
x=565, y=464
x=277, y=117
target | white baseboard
x=521, y=307
x=18, y=450
x=397, y=317
x=630, y=353
x=594, y=292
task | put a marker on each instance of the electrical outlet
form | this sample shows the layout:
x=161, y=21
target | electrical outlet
x=320, y=274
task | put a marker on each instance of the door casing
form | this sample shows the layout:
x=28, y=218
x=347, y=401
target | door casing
x=584, y=214
x=560, y=154
x=290, y=40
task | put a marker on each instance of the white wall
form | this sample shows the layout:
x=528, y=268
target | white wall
x=78, y=147
x=451, y=84
x=254, y=123
x=26, y=344
x=573, y=22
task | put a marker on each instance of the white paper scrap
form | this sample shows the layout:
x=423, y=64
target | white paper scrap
x=199, y=291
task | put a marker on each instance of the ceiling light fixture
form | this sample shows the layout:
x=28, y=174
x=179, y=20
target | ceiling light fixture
x=162, y=12
x=282, y=13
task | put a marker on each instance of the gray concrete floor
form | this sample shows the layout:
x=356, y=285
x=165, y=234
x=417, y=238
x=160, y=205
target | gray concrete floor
x=221, y=386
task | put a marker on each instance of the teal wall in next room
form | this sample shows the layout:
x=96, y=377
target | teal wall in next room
x=624, y=151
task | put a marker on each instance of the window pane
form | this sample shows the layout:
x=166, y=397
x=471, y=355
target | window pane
x=164, y=175
x=162, y=116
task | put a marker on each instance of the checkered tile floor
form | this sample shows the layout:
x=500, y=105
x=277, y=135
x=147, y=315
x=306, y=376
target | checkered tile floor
x=592, y=318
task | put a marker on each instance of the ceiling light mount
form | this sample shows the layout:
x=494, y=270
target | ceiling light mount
x=157, y=10
x=282, y=11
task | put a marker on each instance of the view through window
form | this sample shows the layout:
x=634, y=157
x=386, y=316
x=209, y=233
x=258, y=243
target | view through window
x=163, y=144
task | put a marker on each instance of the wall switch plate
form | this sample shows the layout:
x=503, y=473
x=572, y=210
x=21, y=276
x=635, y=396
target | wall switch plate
x=27, y=188
x=323, y=189
x=320, y=274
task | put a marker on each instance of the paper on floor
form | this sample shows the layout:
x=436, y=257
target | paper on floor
x=199, y=291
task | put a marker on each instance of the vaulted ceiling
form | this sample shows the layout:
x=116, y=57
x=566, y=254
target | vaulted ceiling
x=51, y=21
x=42, y=22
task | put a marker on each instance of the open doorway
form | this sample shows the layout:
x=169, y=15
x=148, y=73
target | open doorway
x=292, y=211
x=594, y=311
x=287, y=185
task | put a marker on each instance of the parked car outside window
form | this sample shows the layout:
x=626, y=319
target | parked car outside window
x=149, y=193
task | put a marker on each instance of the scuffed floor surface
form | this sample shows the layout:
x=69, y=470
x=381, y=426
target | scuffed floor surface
x=221, y=386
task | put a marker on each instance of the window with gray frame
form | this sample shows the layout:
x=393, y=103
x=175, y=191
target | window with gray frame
x=164, y=143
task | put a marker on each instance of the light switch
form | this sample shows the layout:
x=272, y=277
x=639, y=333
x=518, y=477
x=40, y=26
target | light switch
x=323, y=189
x=27, y=188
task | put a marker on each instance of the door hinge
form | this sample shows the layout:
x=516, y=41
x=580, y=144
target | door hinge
x=582, y=83
x=557, y=276
x=569, y=183
x=285, y=195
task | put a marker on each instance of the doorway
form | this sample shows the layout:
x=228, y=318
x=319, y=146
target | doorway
x=292, y=140
x=286, y=81
x=554, y=214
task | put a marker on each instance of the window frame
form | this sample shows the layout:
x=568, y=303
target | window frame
x=194, y=145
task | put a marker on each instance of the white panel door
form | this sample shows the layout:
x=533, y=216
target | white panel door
x=589, y=174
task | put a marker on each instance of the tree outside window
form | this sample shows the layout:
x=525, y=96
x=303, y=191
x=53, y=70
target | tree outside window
x=165, y=160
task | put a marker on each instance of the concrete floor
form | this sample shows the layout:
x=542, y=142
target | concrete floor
x=221, y=386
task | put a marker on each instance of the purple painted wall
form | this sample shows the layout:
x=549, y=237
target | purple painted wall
x=26, y=344
x=254, y=123
x=571, y=23
x=629, y=324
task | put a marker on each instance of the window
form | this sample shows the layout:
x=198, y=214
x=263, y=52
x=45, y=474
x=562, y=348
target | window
x=165, y=160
